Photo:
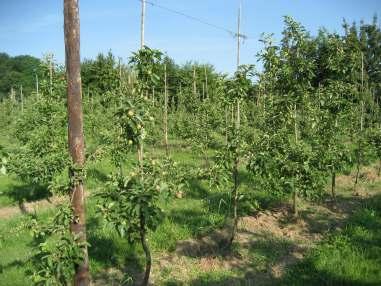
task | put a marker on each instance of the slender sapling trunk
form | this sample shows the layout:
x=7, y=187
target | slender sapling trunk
x=333, y=182
x=146, y=249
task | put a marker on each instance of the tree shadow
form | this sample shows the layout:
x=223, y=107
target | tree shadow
x=28, y=193
x=97, y=175
x=195, y=189
x=264, y=252
x=15, y=263
x=278, y=261
x=118, y=259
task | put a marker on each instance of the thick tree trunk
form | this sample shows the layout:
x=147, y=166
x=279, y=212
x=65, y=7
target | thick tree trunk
x=75, y=130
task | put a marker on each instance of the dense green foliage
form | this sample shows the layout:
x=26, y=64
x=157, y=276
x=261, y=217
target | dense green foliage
x=16, y=72
x=311, y=113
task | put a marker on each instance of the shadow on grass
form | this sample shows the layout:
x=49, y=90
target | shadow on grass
x=116, y=259
x=97, y=175
x=349, y=257
x=196, y=190
x=27, y=193
x=15, y=263
x=263, y=253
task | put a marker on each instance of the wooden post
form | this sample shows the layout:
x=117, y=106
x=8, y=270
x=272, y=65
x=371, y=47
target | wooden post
x=51, y=74
x=361, y=127
x=206, y=82
x=37, y=88
x=239, y=35
x=120, y=73
x=295, y=193
x=142, y=23
x=22, y=99
x=238, y=62
x=75, y=131
x=166, y=110
x=12, y=95
x=236, y=159
x=180, y=98
x=194, y=82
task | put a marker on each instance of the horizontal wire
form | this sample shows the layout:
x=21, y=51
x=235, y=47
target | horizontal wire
x=193, y=18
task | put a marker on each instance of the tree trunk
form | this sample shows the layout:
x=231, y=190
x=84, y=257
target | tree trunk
x=333, y=183
x=295, y=203
x=235, y=201
x=235, y=179
x=357, y=175
x=140, y=154
x=359, y=147
x=75, y=130
x=146, y=251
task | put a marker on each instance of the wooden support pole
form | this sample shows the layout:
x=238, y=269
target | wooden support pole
x=75, y=131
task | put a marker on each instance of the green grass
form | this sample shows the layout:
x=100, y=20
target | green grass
x=187, y=218
x=14, y=192
x=349, y=257
x=15, y=249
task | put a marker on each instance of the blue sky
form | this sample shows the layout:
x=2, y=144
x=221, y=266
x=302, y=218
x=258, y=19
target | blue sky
x=35, y=27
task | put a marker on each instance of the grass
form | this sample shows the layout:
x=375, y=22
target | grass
x=189, y=217
x=351, y=256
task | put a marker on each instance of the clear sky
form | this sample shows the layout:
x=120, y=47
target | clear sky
x=35, y=27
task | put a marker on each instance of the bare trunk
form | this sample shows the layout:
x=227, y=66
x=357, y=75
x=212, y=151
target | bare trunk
x=357, y=175
x=75, y=131
x=295, y=203
x=333, y=182
x=235, y=201
x=147, y=251
x=140, y=154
